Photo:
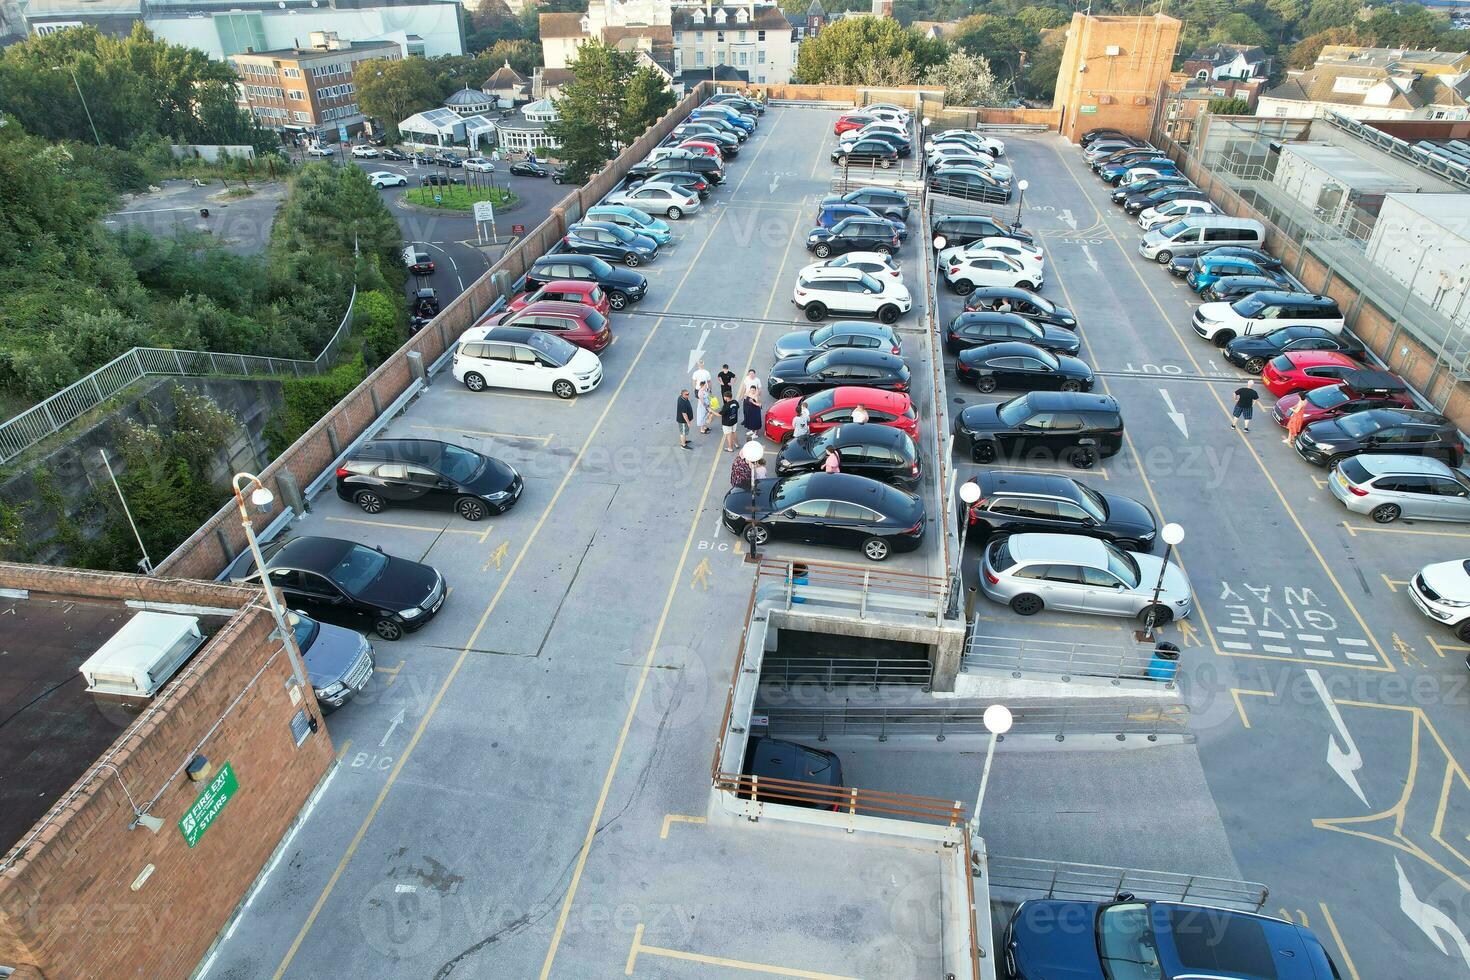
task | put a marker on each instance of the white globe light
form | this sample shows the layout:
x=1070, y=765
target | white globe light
x=752, y=451
x=997, y=719
x=262, y=498
x=1024, y=185
x=1173, y=534
x=926, y=121
x=969, y=491
x=940, y=241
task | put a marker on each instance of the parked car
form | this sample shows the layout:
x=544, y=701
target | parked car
x=969, y=330
x=1023, y=252
x=365, y=151
x=1357, y=392
x=1228, y=289
x=1301, y=371
x=391, y=154
x=622, y=286
x=581, y=291
x=1071, y=573
x=831, y=215
x=968, y=272
x=837, y=509
x=891, y=204
x=969, y=185
x=1208, y=269
x=835, y=406
x=1069, y=426
x=899, y=142
x=873, y=263
x=386, y=178
x=318, y=150
x=1093, y=135
x=1399, y=431
x=611, y=242
x=657, y=198
x=383, y=473
x=1022, y=302
x=349, y=584
x=1014, y=501
x=581, y=325
x=559, y=176
x=1138, y=192
x=839, y=333
x=446, y=159
x=849, y=292
x=1442, y=592
x=965, y=229
x=855, y=234
x=797, y=376
x=868, y=152
x=525, y=168
x=706, y=168
x=879, y=452
x=1260, y=313
x=849, y=122
x=481, y=165
x=1138, y=202
x=1117, y=171
x=1180, y=266
x=418, y=261
x=524, y=359
x=789, y=762
x=1158, y=214
x=1387, y=487
x=439, y=180
x=634, y=220
x=1251, y=353
x=1022, y=366
x=339, y=662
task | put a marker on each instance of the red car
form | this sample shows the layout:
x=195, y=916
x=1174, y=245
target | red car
x=1305, y=370
x=564, y=291
x=1359, y=391
x=834, y=407
x=700, y=146
x=852, y=120
x=582, y=325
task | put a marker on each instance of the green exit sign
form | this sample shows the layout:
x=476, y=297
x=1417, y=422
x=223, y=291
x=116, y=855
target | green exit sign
x=210, y=802
x=1087, y=110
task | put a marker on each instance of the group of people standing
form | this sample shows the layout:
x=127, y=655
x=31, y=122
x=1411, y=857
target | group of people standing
x=698, y=407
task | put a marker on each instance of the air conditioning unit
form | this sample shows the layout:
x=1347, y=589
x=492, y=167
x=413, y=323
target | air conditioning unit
x=1112, y=50
x=142, y=656
x=1140, y=100
x=1105, y=100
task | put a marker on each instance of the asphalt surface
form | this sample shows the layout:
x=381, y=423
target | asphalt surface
x=242, y=224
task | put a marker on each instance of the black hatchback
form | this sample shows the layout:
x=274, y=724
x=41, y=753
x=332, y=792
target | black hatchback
x=1013, y=501
x=1252, y=352
x=426, y=473
x=622, y=286
x=1023, y=303
x=1023, y=366
x=855, y=234
x=837, y=509
x=967, y=229
x=1381, y=430
x=968, y=330
x=1043, y=427
x=796, y=376
x=879, y=452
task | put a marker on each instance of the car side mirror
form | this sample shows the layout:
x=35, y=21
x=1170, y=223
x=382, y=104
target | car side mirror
x=789, y=513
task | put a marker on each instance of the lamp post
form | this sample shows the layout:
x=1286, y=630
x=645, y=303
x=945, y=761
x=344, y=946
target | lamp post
x=997, y=720
x=752, y=452
x=924, y=124
x=969, y=493
x=262, y=499
x=146, y=564
x=1021, y=199
x=1172, y=535
x=72, y=71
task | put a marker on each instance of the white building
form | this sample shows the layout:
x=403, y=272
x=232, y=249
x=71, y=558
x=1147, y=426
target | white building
x=435, y=128
x=526, y=130
x=1424, y=240
x=221, y=28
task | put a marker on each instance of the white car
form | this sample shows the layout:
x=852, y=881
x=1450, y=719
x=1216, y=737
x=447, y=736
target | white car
x=1442, y=592
x=963, y=137
x=479, y=165
x=519, y=357
x=365, y=152
x=318, y=150
x=852, y=136
x=1178, y=208
x=385, y=178
x=980, y=161
x=886, y=113
x=968, y=273
x=875, y=264
x=1263, y=312
x=1028, y=255
x=665, y=199
x=673, y=153
x=849, y=292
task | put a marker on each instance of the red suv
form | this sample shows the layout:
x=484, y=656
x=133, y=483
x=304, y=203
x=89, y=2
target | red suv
x=834, y=407
x=852, y=120
x=581, y=325
x=564, y=291
x=1359, y=391
x=1305, y=370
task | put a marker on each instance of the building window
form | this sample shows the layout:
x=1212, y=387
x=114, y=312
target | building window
x=678, y=37
x=760, y=57
x=742, y=58
x=721, y=55
x=760, y=35
x=699, y=37
x=698, y=58
x=302, y=116
x=720, y=36
x=291, y=72
x=298, y=96
x=741, y=37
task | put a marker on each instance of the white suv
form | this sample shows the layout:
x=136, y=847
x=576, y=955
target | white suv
x=850, y=292
x=875, y=264
x=1264, y=312
x=1180, y=207
x=966, y=273
x=1028, y=255
x=365, y=151
x=519, y=357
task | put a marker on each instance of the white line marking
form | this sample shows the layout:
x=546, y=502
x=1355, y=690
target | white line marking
x=1433, y=921
x=1272, y=634
x=1345, y=760
x=1175, y=416
x=1351, y=643
x=1275, y=649
x=1235, y=631
x=1315, y=652
x=1366, y=657
x=1310, y=638
x=1235, y=646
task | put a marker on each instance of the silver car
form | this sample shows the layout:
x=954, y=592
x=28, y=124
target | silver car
x=1031, y=572
x=1388, y=487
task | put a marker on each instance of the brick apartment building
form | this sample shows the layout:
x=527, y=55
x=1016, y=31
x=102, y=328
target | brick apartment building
x=308, y=90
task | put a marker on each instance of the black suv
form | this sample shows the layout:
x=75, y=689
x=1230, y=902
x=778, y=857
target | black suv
x=893, y=205
x=1022, y=366
x=1135, y=193
x=966, y=229
x=976, y=329
x=1022, y=302
x=868, y=150
x=1381, y=430
x=856, y=234
x=426, y=473
x=1043, y=426
x=797, y=376
x=704, y=166
x=1014, y=502
x=1228, y=289
x=623, y=286
x=879, y=452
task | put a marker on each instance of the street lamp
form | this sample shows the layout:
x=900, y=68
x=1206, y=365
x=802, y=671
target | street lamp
x=969, y=493
x=262, y=499
x=1172, y=535
x=752, y=452
x=146, y=564
x=997, y=719
x=1021, y=186
x=73, y=73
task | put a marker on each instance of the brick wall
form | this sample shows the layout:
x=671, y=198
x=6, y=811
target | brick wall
x=67, y=908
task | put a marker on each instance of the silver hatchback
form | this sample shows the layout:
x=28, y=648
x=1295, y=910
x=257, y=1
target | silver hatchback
x=1388, y=487
x=1031, y=572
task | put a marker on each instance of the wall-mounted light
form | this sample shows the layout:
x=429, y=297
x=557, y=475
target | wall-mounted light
x=199, y=769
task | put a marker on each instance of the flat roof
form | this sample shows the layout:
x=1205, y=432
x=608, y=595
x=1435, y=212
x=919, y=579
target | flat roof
x=306, y=54
x=1450, y=211
x=51, y=729
x=1348, y=167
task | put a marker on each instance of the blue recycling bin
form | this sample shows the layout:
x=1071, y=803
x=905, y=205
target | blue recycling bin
x=1165, y=662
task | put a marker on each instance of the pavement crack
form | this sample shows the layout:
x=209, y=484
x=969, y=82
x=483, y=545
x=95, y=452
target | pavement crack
x=576, y=572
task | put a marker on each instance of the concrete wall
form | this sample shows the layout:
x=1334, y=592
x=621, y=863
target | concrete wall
x=1112, y=70
x=67, y=908
x=1431, y=254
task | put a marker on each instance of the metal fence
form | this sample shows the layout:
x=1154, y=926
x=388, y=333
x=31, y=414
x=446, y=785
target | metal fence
x=869, y=592
x=1036, y=878
x=1057, y=718
x=843, y=799
x=829, y=672
x=1065, y=659
x=75, y=400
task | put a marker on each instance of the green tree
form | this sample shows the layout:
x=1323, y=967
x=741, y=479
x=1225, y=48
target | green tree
x=1304, y=53
x=866, y=50
x=379, y=325
x=1230, y=107
x=1002, y=41
x=1238, y=28
x=608, y=103
x=967, y=81
x=522, y=55
x=1042, y=18
x=1040, y=80
x=1323, y=14
x=392, y=90
x=646, y=99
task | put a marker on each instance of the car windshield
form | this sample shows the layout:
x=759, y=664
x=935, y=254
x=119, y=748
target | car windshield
x=358, y=569
x=870, y=283
x=1328, y=397
x=787, y=493
x=1093, y=503
x=598, y=267
x=1248, y=307
x=558, y=351
x=1172, y=228
x=460, y=465
x=1047, y=358
x=821, y=335
x=821, y=401
x=305, y=629
x=1358, y=426
x=1126, y=944
x=1015, y=411
x=1121, y=564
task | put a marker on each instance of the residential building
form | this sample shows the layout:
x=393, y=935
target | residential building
x=816, y=19
x=221, y=28
x=507, y=86
x=1375, y=83
x=1402, y=59
x=444, y=128
x=1228, y=61
x=308, y=90
x=546, y=83
x=41, y=17
x=1113, y=69
x=935, y=30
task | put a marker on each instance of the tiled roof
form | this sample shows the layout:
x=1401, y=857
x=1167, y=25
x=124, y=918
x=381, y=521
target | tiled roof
x=561, y=25
x=1317, y=85
x=764, y=19
x=505, y=77
x=690, y=77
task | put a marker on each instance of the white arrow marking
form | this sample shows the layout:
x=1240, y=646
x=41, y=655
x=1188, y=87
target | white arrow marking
x=1345, y=760
x=775, y=179
x=697, y=353
x=397, y=720
x=1433, y=921
x=1087, y=254
x=1175, y=416
x=1067, y=217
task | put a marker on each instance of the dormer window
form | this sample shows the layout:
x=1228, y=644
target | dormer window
x=720, y=16
x=698, y=16
x=741, y=16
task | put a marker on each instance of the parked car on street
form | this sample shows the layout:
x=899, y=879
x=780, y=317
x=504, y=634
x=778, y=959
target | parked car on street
x=835, y=406
x=1014, y=501
x=426, y=473
x=482, y=165
x=525, y=168
x=365, y=151
x=797, y=376
x=1022, y=366
x=879, y=452
x=1072, y=573
x=837, y=509
x=1399, y=431
x=1387, y=487
x=386, y=178
x=1046, y=426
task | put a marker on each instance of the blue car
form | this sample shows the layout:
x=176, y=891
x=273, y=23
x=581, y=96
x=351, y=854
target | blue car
x=1113, y=172
x=828, y=215
x=632, y=219
x=612, y=242
x=1047, y=939
x=745, y=122
x=1210, y=269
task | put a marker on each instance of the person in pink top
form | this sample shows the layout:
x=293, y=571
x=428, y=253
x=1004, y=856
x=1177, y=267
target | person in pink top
x=830, y=464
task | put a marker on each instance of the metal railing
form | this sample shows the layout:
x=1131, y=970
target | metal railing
x=1034, y=878
x=829, y=672
x=869, y=591
x=1020, y=655
x=1058, y=719
x=843, y=799
x=80, y=397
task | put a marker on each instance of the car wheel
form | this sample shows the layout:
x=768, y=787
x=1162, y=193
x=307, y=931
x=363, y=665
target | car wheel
x=964, y=287
x=1027, y=604
x=1335, y=460
x=883, y=250
x=983, y=452
x=986, y=383
x=471, y=509
x=631, y=260
x=370, y=502
x=876, y=549
x=1385, y=513
x=675, y=213
x=556, y=180
x=474, y=382
x=1083, y=458
x=617, y=300
x=1224, y=337
x=790, y=391
x=1463, y=631
x=1027, y=285
x=564, y=389
x=887, y=313
x=757, y=534
x=885, y=163
x=1161, y=614
x=815, y=311
x=1164, y=258
x=1256, y=365
x=1070, y=385
x=388, y=629
x=822, y=251
x=1130, y=545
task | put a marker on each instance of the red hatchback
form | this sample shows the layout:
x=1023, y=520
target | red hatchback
x=851, y=121
x=834, y=407
x=700, y=146
x=582, y=325
x=1359, y=391
x=565, y=291
x=1305, y=370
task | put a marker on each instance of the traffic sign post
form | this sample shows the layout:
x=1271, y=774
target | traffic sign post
x=484, y=211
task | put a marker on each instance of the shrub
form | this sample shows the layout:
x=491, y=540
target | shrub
x=308, y=399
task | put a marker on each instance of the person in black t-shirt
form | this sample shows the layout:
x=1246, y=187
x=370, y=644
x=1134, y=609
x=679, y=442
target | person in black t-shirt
x=1245, y=403
x=726, y=378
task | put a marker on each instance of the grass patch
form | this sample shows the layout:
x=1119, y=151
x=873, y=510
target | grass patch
x=235, y=192
x=459, y=198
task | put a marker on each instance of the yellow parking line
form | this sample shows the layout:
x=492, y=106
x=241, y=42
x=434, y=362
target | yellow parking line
x=482, y=535
x=679, y=954
x=544, y=440
x=670, y=818
x=1392, y=583
x=503, y=393
x=1356, y=529
x=1347, y=960
x=1236, y=692
x=1440, y=648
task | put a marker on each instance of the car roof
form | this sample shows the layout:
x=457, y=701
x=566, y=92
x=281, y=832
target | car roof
x=310, y=552
x=871, y=434
x=1368, y=379
x=1011, y=481
x=602, y=225
x=1406, y=416
x=1070, y=401
x=863, y=355
x=1317, y=358
x=847, y=487
x=1300, y=299
x=553, y=306
x=848, y=396
x=857, y=327
x=425, y=451
x=836, y=272
x=983, y=317
x=1007, y=348
x=509, y=335
x=1381, y=464
x=568, y=286
x=1071, y=549
x=571, y=258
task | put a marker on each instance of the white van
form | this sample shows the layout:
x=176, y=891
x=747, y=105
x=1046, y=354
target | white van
x=1200, y=233
x=531, y=360
x=1180, y=207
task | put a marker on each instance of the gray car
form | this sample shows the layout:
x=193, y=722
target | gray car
x=1387, y=487
x=338, y=661
x=838, y=333
x=1072, y=573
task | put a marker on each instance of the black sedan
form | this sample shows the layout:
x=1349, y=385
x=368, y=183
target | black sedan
x=560, y=176
x=1022, y=302
x=879, y=452
x=1228, y=289
x=855, y=234
x=974, y=329
x=1043, y=426
x=1134, y=193
x=969, y=185
x=1252, y=353
x=838, y=333
x=837, y=509
x=1022, y=366
x=446, y=160
x=350, y=584
x=392, y=154
x=1014, y=502
x=525, y=168
x=867, y=151
x=440, y=180
x=797, y=376
x=427, y=473
x=623, y=286
x=1400, y=431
